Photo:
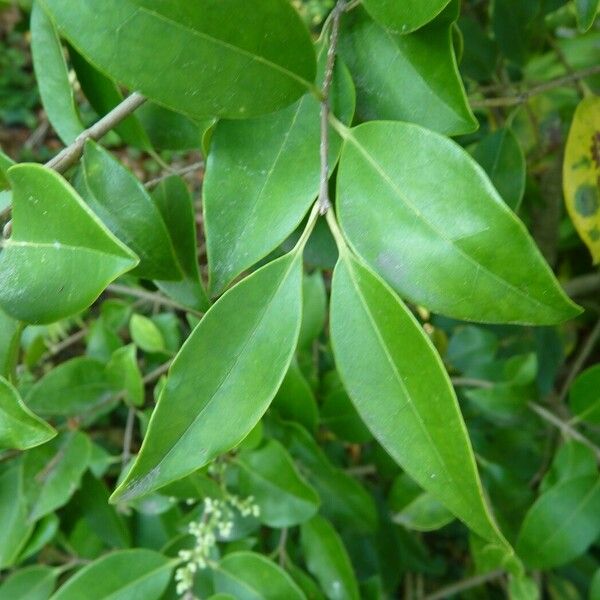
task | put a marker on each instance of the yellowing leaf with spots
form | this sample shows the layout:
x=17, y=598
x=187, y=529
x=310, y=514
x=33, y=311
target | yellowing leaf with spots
x=581, y=173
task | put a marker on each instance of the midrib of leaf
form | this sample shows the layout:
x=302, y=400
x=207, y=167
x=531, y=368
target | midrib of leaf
x=228, y=46
x=60, y=246
x=458, y=488
x=379, y=169
x=563, y=524
x=226, y=375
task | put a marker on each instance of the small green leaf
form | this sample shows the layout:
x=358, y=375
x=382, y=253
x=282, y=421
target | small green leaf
x=250, y=576
x=314, y=308
x=52, y=76
x=175, y=204
x=122, y=575
x=146, y=334
x=405, y=16
x=480, y=262
x=31, y=583
x=378, y=345
x=424, y=513
x=327, y=559
x=584, y=396
x=206, y=67
x=5, y=163
x=125, y=207
x=245, y=344
x=502, y=158
x=586, y=13
x=262, y=175
x=284, y=497
x=60, y=257
x=407, y=78
x=123, y=373
x=52, y=472
x=9, y=344
x=339, y=416
x=561, y=524
x=571, y=461
x=295, y=400
x=20, y=429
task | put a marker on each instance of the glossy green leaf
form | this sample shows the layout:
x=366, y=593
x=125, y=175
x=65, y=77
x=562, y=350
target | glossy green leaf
x=5, y=163
x=327, y=559
x=586, y=13
x=502, y=158
x=206, y=67
x=584, y=396
x=60, y=257
x=377, y=345
x=250, y=576
x=284, y=497
x=9, y=344
x=561, y=524
x=407, y=78
x=123, y=373
x=406, y=16
x=480, y=262
x=122, y=575
x=125, y=207
x=20, y=429
x=245, y=344
x=32, y=583
x=314, y=308
x=572, y=460
x=175, y=204
x=52, y=76
x=44, y=532
x=424, y=513
x=14, y=524
x=74, y=387
x=52, y=472
x=295, y=400
x=262, y=175
x=146, y=334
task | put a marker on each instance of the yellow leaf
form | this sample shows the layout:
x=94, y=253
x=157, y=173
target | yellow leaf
x=581, y=173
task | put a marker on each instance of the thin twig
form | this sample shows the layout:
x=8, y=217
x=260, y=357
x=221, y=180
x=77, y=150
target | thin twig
x=128, y=436
x=542, y=88
x=324, y=202
x=67, y=157
x=470, y=382
x=116, y=288
x=181, y=172
x=157, y=373
x=66, y=343
x=581, y=286
x=580, y=361
x=466, y=584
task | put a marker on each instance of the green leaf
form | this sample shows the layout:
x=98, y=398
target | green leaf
x=339, y=416
x=580, y=174
x=20, y=429
x=52, y=76
x=146, y=334
x=295, y=400
x=175, y=204
x=52, y=472
x=262, y=175
x=122, y=575
x=206, y=67
x=123, y=373
x=584, y=396
x=405, y=16
x=60, y=257
x=572, y=460
x=407, y=78
x=31, y=583
x=402, y=392
x=327, y=559
x=284, y=497
x=5, y=163
x=9, y=344
x=561, y=524
x=502, y=158
x=480, y=262
x=75, y=387
x=586, y=13
x=245, y=344
x=125, y=207
x=14, y=524
x=512, y=24
x=250, y=576
x=424, y=513
x=314, y=308
x=45, y=530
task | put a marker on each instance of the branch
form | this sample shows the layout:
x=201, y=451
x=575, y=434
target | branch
x=542, y=88
x=466, y=584
x=581, y=286
x=181, y=172
x=324, y=202
x=69, y=155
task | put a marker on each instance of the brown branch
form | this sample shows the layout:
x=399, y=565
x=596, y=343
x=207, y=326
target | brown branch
x=536, y=90
x=181, y=172
x=124, y=290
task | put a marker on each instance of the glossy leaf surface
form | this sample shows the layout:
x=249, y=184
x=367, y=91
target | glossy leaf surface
x=52, y=76
x=584, y=396
x=20, y=429
x=405, y=16
x=407, y=78
x=60, y=257
x=581, y=173
x=462, y=252
x=206, y=67
x=586, y=13
x=32, y=583
x=412, y=412
x=244, y=345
